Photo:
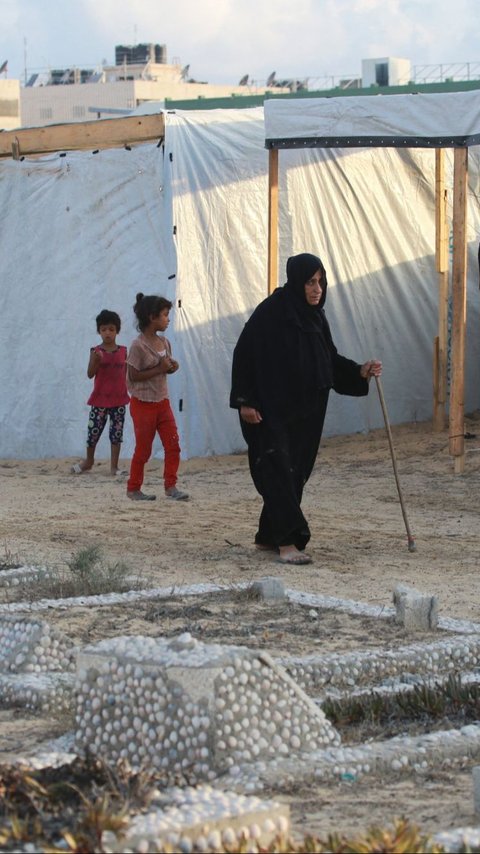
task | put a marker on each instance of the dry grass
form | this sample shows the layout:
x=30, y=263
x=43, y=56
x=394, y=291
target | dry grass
x=10, y=559
x=71, y=808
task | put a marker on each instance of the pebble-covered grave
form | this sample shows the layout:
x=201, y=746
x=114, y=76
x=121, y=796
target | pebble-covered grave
x=225, y=693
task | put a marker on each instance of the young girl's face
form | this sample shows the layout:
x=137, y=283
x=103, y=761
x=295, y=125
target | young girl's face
x=108, y=333
x=162, y=320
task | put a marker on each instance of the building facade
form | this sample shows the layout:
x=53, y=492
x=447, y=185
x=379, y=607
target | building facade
x=9, y=104
x=56, y=98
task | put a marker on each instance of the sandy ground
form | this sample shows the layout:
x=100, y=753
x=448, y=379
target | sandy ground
x=358, y=543
x=359, y=547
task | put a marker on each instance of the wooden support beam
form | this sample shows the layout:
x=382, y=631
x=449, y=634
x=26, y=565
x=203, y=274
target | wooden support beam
x=15, y=149
x=440, y=354
x=272, y=219
x=102, y=133
x=459, y=309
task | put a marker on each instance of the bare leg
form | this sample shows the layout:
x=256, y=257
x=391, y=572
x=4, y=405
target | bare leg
x=114, y=457
x=87, y=463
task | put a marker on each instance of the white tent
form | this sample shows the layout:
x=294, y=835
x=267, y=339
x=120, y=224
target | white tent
x=189, y=220
x=421, y=121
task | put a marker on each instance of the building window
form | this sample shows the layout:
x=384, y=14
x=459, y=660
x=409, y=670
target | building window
x=9, y=108
x=46, y=113
x=381, y=73
x=78, y=112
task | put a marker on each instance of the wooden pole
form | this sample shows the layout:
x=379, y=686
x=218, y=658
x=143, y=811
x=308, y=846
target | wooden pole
x=272, y=219
x=440, y=352
x=459, y=309
x=411, y=541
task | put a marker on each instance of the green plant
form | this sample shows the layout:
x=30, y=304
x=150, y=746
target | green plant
x=87, y=574
x=84, y=562
x=402, y=838
x=420, y=705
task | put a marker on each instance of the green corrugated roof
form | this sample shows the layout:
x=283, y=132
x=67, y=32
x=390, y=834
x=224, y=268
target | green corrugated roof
x=244, y=101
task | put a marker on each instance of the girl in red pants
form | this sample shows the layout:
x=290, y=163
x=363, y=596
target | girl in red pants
x=148, y=362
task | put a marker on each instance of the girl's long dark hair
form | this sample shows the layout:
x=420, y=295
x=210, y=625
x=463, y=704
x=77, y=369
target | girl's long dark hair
x=147, y=307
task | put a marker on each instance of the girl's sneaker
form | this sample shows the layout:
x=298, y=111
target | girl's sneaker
x=173, y=492
x=138, y=495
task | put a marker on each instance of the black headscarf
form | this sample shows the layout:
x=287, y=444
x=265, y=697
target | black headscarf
x=301, y=268
x=316, y=355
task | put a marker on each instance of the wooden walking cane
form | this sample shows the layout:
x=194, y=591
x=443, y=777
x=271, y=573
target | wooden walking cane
x=411, y=542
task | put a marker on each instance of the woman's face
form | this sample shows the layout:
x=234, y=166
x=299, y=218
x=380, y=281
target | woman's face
x=314, y=289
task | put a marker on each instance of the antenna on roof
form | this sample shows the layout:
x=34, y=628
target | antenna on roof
x=271, y=79
x=4, y=67
x=244, y=80
x=184, y=72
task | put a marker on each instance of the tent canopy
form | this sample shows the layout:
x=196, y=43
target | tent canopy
x=446, y=120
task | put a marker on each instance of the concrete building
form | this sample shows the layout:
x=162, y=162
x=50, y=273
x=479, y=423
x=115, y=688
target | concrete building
x=386, y=71
x=9, y=104
x=78, y=95
x=141, y=75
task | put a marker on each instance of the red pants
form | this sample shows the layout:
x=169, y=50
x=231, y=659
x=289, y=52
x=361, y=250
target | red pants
x=148, y=419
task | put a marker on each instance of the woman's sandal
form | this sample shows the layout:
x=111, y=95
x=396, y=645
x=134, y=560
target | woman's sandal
x=295, y=559
x=76, y=469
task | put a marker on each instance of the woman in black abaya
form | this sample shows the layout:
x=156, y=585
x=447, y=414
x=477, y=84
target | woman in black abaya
x=284, y=365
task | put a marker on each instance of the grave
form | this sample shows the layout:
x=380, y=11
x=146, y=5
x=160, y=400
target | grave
x=184, y=705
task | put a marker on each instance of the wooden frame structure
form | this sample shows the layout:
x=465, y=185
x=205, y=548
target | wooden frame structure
x=440, y=348
x=459, y=263
x=82, y=136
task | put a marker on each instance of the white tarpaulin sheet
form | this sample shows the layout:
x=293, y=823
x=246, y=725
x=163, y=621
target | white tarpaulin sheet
x=88, y=231
x=415, y=120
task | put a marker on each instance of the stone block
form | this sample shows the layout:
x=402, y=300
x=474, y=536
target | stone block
x=415, y=610
x=270, y=589
x=187, y=707
x=399, y=595
x=476, y=789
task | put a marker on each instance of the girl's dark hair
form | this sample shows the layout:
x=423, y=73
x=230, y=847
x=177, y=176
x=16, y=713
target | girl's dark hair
x=106, y=317
x=147, y=307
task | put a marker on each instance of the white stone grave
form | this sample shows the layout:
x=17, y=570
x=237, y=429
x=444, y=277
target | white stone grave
x=192, y=708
